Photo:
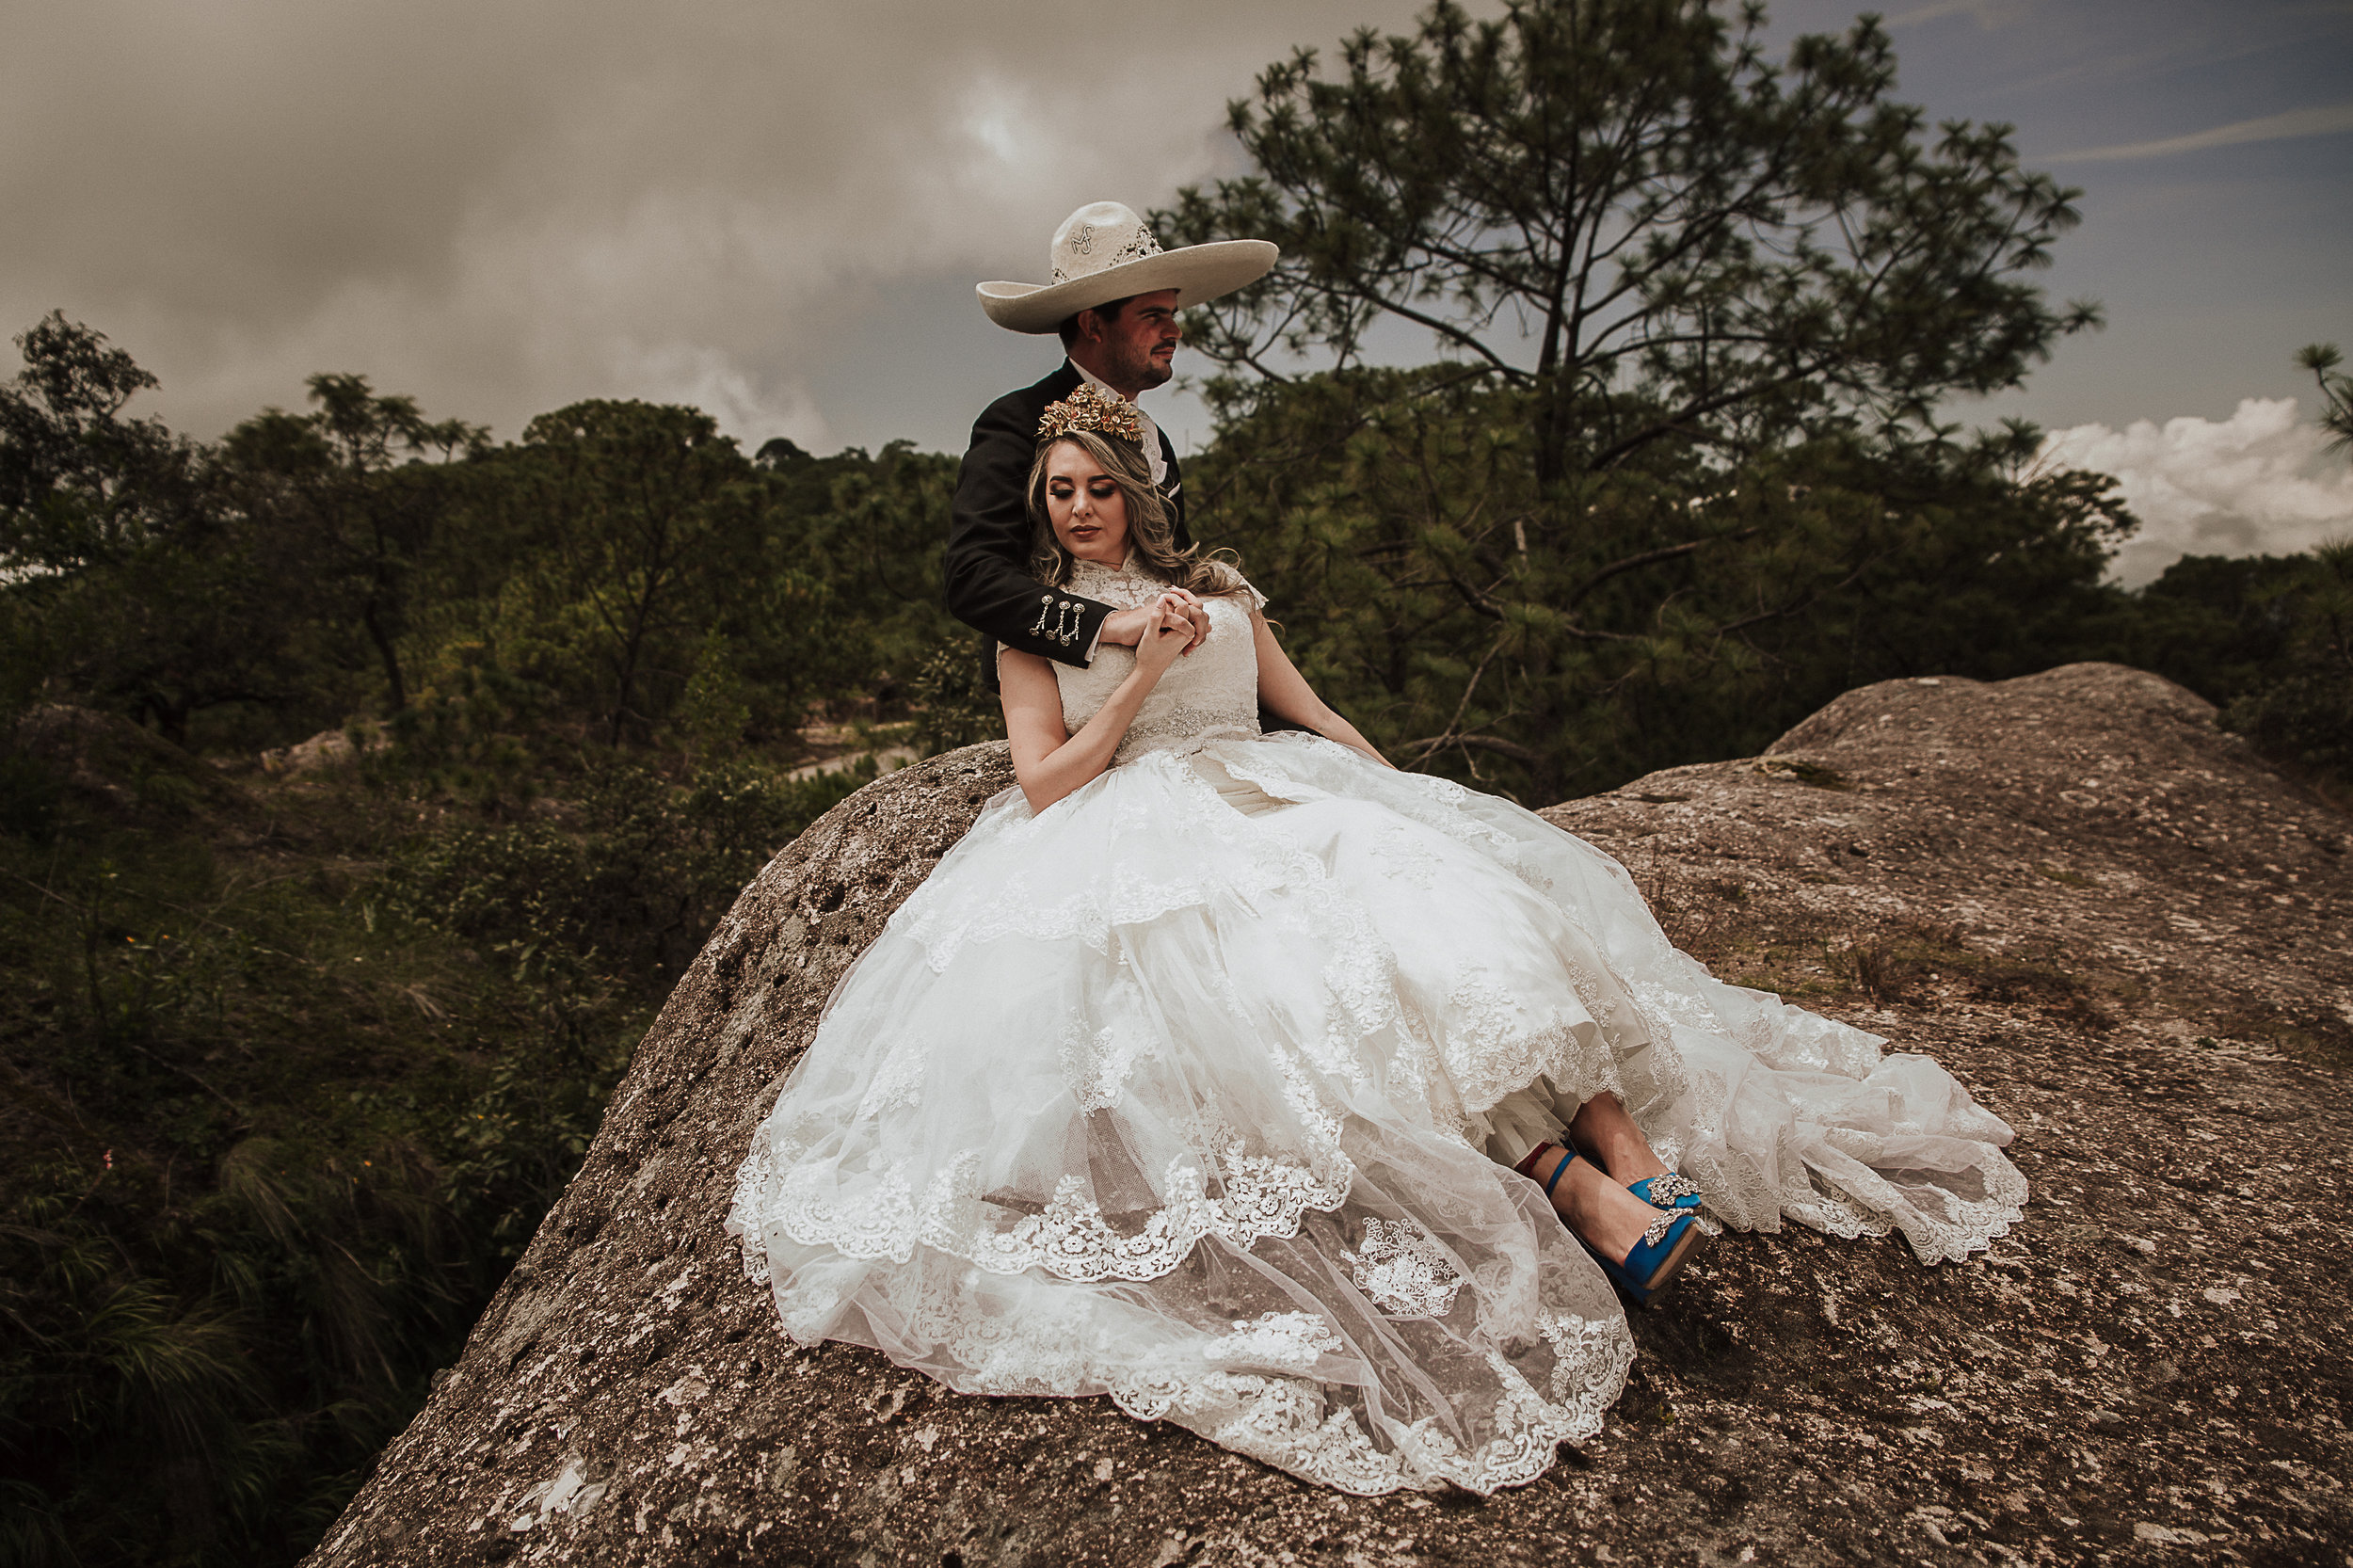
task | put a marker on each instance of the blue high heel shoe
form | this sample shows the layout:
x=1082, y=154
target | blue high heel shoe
x=1667, y=1245
x=1672, y=1190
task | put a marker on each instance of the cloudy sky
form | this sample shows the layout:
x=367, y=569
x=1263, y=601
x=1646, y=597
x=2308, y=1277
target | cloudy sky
x=777, y=209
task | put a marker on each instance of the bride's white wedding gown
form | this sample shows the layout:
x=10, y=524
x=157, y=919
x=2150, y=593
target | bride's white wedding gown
x=1191, y=1089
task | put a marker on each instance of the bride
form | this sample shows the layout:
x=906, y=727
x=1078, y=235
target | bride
x=1323, y=1109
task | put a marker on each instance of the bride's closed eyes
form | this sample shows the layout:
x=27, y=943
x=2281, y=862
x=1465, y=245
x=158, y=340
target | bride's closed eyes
x=1100, y=488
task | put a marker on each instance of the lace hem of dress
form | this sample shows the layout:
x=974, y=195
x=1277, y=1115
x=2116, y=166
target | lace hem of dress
x=1292, y=1423
x=1855, y=1201
x=1254, y=1387
x=1402, y=1271
x=1492, y=1050
x=1851, y=1184
x=1069, y=1238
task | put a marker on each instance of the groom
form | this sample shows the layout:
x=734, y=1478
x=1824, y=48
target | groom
x=1113, y=302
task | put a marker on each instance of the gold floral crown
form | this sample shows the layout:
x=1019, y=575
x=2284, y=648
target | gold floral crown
x=1090, y=407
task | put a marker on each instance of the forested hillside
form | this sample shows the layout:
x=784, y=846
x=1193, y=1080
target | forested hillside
x=370, y=779
x=367, y=785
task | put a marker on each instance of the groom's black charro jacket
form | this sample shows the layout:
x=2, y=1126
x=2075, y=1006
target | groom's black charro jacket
x=989, y=586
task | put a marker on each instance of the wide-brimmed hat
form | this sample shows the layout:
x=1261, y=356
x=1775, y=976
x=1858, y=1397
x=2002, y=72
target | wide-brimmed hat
x=1103, y=252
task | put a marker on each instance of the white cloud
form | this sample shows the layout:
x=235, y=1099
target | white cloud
x=1988, y=14
x=2262, y=482
x=705, y=378
x=2325, y=121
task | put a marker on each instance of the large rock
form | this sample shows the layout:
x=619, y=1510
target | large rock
x=2127, y=933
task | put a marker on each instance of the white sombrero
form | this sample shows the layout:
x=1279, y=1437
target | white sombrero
x=1103, y=252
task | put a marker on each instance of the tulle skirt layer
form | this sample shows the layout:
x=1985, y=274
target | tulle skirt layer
x=1200, y=1087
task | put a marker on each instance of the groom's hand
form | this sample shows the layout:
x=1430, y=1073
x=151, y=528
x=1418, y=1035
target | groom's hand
x=1126, y=626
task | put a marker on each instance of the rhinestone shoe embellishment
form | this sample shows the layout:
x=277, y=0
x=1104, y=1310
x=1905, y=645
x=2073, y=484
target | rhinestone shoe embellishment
x=1666, y=1189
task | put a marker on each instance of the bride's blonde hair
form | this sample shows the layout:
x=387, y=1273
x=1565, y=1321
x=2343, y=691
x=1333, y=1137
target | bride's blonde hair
x=1149, y=535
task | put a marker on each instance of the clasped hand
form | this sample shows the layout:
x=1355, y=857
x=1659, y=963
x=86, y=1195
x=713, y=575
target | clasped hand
x=1169, y=633
x=1175, y=607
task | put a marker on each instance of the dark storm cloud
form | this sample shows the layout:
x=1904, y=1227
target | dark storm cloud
x=500, y=207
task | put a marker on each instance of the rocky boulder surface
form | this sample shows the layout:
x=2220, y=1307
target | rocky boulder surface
x=2121, y=930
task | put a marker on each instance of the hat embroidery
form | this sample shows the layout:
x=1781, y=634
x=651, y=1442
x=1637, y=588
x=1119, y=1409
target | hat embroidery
x=1082, y=242
x=1136, y=249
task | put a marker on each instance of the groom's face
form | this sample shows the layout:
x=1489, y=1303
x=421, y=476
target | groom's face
x=1139, y=345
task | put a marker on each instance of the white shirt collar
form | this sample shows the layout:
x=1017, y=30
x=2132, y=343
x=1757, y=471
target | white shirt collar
x=1151, y=431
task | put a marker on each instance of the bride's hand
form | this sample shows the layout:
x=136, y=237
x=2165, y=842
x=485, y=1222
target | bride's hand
x=1167, y=634
x=1125, y=628
x=1189, y=614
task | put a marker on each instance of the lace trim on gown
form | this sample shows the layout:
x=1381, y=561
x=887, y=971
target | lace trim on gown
x=1070, y=1238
